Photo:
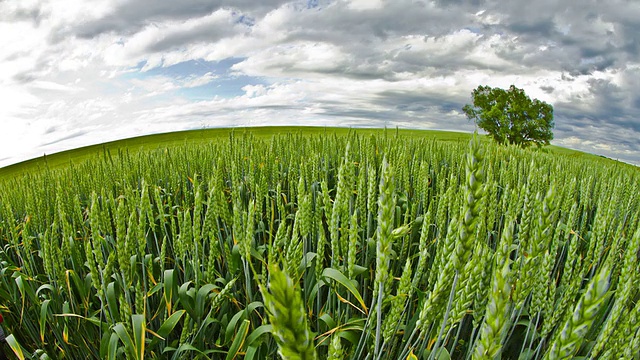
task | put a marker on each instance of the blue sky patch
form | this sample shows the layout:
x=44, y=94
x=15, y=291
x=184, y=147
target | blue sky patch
x=226, y=84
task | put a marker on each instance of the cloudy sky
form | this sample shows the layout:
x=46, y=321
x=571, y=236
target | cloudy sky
x=80, y=72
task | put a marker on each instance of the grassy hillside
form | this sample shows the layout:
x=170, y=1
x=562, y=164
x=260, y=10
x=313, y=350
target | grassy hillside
x=205, y=136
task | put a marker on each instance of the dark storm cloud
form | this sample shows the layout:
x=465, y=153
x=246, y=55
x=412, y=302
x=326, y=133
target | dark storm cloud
x=547, y=89
x=605, y=118
x=205, y=32
x=131, y=16
x=372, y=116
x=599, y=137
x=544, y=28
x=32, y=14
x=579, y=37
x=588, y=35
x=341, y=23
x=67, y=137
x=417, y=102
x=575, y=40
x=607, y=103
x=24, y=77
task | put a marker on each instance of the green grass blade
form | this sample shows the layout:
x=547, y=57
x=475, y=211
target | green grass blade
x=112, y=300
x=139, y=331
x=15, y=346
x=258, y=332
x=170, y=288
x=169, y=324
x=201, y=298
x=124, y=336
x=113, y=346
x=239, y=340
x=186, y=296
x=44, y=310
x=339, y=277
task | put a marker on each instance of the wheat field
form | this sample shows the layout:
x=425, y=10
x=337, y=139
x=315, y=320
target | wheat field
x=374, y=246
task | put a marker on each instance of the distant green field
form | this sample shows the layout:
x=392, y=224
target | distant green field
x=194, y=137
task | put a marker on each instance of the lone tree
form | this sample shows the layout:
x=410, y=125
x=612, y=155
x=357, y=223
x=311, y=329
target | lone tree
x=511, y=116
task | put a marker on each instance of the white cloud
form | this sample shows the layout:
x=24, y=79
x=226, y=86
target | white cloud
x=52, y=86
x=304, y=59
x=366, y=4
x=195, y=81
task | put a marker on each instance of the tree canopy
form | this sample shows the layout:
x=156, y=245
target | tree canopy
x=510, y=116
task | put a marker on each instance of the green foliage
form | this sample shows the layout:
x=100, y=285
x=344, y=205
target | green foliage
x=568, y=341
x=287, y=314
x=392, y=247
x=510, y=116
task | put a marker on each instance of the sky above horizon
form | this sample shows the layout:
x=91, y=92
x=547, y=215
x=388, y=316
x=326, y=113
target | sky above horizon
x=82, y=72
